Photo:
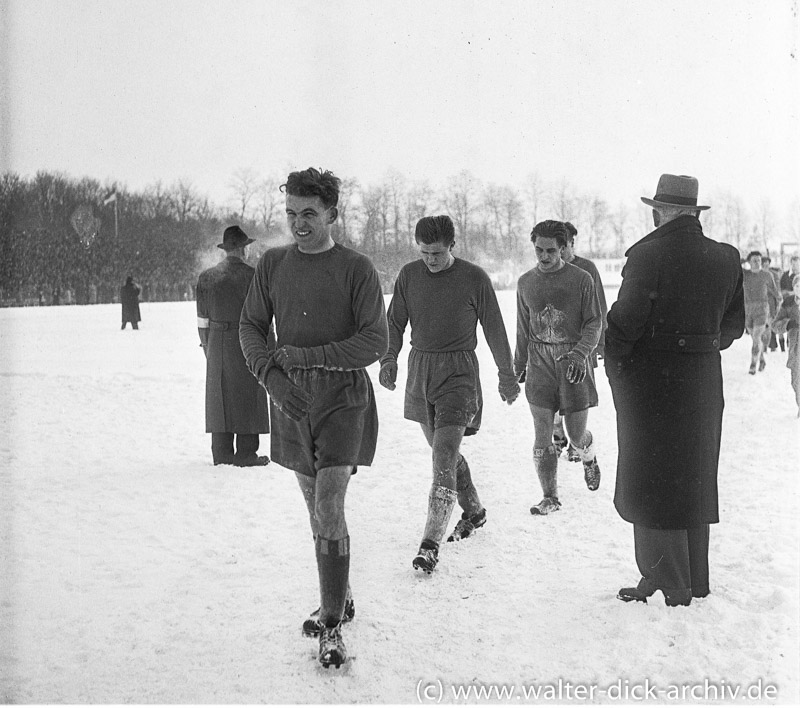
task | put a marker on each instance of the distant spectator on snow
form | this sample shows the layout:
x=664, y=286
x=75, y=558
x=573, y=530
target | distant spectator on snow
x=761, y=301
x=788, y=277
x=236, y=404
x=785, y=286
x=680, y=303
x=129, y=298
x=766, y=262
x=787, y=320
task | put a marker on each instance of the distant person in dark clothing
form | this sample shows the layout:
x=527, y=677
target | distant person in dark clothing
x=766, y=264
x=787, y=320
x=129, y=297
x=236, y=405
x=444, y=298
x=680, y=303
x=785, y=285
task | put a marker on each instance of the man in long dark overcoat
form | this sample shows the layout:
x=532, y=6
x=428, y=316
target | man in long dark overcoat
x=129, y=299
x=236, y=404
x=680, y=303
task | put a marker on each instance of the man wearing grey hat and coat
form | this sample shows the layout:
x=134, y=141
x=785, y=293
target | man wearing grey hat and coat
x=236, y=404
x=680, y=303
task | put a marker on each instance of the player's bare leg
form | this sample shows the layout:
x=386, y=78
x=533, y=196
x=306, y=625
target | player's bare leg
x=333, y=560
x=545, y=460
x=312, y=626
x=445, y=442
x=474, y=514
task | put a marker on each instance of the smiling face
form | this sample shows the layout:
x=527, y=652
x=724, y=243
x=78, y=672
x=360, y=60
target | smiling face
x=548, y=253
x=436, y=256
x=310, y=223
x=755, y=263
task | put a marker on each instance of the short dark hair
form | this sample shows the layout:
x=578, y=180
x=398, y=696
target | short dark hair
x=572, y=232
x=551, y=229
x=753, y=253
x=435, y=229
x=314, y=183
x=766, y=259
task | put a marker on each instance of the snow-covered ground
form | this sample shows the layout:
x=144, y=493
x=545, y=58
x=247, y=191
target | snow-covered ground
x=135, y=571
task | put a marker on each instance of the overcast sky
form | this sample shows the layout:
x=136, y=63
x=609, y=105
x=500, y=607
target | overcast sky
x=607, y=95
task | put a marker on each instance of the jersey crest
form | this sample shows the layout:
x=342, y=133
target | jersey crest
x=548, y=325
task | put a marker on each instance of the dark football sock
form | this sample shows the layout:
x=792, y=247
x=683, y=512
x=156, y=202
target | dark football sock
x=333, y=565
x=468, y=498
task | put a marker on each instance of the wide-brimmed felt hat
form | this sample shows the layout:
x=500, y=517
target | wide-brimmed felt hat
x=676, y=191
x=234, y=237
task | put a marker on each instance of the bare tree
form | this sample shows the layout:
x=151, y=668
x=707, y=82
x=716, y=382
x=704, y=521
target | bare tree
x=765, y=218
x=597, y=217
x=734, y=219
x=460, y=200
x=157, y=200
x=267, y=204
x=493, y=207
x=183, y=199
x=535, y=193
x=419, y=200
x=565, y=202
x=347, y=208
x=373, y=204
x=394, y=185
x=618, y=222
x=245, y=184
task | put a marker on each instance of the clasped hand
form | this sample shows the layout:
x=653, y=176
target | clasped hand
x=290, y=399
x=388, y=375
x=289, y=357
x=576, y=370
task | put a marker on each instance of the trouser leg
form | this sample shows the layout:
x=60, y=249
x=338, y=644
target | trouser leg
x=246, y=444
x=663, y=559
x=222, y=448
x=698, y=560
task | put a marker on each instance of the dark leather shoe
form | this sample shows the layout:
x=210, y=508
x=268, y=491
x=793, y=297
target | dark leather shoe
x=683, y=600
x=224, y=460
x=251, y=461
x=631, y=595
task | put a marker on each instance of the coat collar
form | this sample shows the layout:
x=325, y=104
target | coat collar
x=685, y=223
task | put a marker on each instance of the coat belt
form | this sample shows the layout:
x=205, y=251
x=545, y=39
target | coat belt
x=213, y=324
x=687, y=343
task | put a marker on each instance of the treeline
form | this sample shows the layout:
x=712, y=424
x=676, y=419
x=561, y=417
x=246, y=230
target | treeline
x=74, y=240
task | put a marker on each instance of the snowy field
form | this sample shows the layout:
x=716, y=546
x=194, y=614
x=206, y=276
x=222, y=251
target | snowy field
x=134, y=571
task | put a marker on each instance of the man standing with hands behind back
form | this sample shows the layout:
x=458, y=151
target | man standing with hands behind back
x=680, y=303
x=235, y=404
x=330, y=323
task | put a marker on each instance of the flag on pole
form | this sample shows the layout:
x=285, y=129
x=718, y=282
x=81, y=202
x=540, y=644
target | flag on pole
x=111, y=198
